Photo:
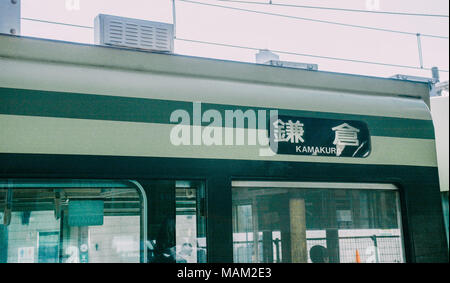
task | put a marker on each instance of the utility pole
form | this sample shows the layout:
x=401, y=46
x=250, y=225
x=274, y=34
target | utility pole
x=435, y=74
x=10, y=17
x=436, y=86
x=174, y=19
x=419, y=46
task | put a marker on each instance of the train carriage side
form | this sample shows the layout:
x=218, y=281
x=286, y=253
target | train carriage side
x=112, y=155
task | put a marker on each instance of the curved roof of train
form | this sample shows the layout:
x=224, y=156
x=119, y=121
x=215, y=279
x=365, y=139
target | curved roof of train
x=108, y=69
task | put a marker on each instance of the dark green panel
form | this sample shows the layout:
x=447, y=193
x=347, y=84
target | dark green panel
x=113, y=108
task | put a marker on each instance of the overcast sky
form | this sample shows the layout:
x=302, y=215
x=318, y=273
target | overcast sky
x=215, y=24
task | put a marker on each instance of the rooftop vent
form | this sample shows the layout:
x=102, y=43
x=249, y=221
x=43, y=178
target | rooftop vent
x=133, y=33
x=267, y=57
x=296, y=65
x=264, y=56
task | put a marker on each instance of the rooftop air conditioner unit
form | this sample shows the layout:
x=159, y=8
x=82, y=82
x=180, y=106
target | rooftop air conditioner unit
x=133, y=33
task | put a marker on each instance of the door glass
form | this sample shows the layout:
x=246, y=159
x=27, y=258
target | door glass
x=444, y=197
x=177, y=230
x=48, y=247
x=316, y=222
x=71, y=221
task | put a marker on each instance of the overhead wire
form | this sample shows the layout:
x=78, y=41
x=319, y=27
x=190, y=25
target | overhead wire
x=314, y=20
x=337, y=9
x=56, y=23
x=308, y=55
x=257, y=48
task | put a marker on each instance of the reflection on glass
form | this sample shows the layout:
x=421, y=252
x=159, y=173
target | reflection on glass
x=70, y=222
x=298, y=224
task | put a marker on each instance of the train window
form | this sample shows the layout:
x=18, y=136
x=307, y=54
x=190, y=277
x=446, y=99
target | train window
x=177, y=222
x=316, y=222
x=71, y=221
x=444, y=197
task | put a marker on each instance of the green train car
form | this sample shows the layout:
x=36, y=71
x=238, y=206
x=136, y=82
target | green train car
x=116, y=155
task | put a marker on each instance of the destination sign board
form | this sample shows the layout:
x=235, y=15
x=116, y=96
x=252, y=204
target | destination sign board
x=319, y=137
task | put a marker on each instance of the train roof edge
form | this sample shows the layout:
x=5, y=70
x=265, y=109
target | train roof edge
x=36, y=49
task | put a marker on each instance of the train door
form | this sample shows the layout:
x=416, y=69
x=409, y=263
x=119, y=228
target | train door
x=176, y=221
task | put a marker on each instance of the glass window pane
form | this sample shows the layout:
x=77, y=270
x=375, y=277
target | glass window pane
x=177, y=225
x=315, y=224
x=444, y=197
x=71, y=221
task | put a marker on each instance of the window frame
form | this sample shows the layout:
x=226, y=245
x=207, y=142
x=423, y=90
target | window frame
x=83, y=183
x=267, y=184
